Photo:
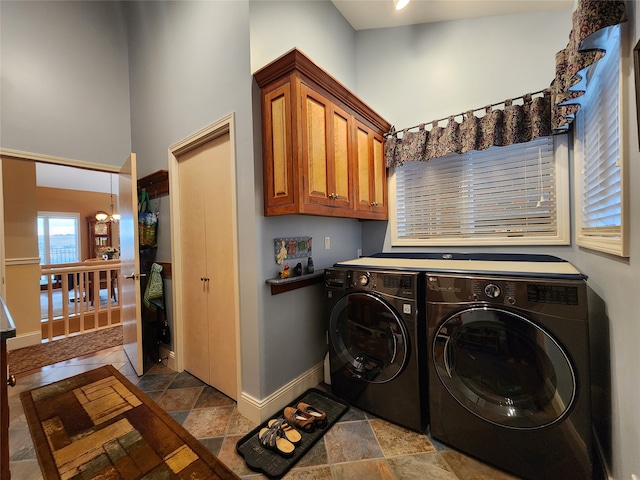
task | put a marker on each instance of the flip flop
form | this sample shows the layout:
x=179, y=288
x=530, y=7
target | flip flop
x=290, y=432
x=319, y=417
x=299, y=419
x=274, y=439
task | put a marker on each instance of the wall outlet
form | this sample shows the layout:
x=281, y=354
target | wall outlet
x=327, y=243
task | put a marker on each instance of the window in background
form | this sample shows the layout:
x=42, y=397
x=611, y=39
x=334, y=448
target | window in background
x=58, y=237
x=600, y=196
x=513, y=195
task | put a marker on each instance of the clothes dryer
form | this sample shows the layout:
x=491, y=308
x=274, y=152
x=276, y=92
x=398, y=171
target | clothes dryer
x=375, y=329
x=509, y=375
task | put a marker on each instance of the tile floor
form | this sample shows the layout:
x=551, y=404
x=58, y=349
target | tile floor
x=358, y=447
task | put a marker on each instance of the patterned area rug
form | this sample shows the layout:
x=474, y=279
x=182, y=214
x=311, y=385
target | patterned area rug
x=36, y=356
x=99, y=425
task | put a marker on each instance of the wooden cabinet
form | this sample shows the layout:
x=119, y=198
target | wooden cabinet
x=371, y=191
x=313, y=149
x=99, y=236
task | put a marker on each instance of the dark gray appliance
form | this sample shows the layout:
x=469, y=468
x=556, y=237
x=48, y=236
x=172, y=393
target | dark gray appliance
x=375, y=326
x=509, y=375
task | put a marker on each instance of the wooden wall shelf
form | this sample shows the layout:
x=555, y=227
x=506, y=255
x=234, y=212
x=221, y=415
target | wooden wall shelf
x=281, y=285
x=166, y=268
x=155, y=184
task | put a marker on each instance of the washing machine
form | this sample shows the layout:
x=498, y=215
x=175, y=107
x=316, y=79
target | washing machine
x=509, y=376
x=376, y=333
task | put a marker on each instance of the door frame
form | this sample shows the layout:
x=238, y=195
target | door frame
x=36, y=158
x=224, y=125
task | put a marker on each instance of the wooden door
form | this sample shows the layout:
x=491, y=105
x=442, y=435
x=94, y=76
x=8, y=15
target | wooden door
x=131, y=312
x=326, y=151
x=194, y=263
x=379, y=179
x=279, y=195
x=209, y=266
x=370, y=174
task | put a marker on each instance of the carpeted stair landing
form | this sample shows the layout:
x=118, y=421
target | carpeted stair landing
x=26, y=359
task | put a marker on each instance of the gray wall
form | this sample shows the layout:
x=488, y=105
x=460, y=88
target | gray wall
x=190, y=67
x=450, y=67
x=319, y=31
x=65, y=80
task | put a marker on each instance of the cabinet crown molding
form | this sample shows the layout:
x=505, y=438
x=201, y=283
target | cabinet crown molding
x=295, y=61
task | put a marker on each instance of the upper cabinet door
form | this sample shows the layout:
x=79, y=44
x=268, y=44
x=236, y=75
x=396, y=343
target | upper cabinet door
x=371, y=191
x=325, y=152
x=277, y=144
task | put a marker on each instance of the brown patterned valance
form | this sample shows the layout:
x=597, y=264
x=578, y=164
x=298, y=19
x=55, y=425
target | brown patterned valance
x=538, y=114
x=590, y=22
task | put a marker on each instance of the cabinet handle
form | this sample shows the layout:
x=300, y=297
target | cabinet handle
x=11, y=381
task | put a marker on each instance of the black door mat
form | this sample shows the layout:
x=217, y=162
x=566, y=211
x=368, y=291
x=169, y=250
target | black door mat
x=271, y=463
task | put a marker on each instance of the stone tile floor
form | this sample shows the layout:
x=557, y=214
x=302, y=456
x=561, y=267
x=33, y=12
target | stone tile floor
x=358, y=447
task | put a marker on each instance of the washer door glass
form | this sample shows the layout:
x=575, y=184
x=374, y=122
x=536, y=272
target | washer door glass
x=369, y=337
x=504, y=368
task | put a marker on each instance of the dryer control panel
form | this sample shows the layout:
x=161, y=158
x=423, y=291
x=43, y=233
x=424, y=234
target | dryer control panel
x=527, y=293
x=394, y=283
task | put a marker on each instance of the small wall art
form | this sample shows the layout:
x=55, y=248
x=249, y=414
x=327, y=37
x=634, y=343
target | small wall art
x=291, y=247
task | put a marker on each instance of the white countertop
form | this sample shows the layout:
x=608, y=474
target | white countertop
x=561, y=269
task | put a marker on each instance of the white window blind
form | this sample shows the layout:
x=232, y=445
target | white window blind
x=600, y=156
x=503, y=195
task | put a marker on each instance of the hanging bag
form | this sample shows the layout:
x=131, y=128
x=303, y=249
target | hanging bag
x=147, y=222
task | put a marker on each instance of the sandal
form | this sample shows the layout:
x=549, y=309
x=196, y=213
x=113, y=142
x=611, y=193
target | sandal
x=291, y=433
x=300, y=419
x=319, y=417
x=274, y=439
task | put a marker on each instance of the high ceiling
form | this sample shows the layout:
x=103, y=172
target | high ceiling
x=366, y=14
x=362, y=15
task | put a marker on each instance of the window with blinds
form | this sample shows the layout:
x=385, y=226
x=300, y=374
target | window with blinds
x=513, y=195
x=600, y=199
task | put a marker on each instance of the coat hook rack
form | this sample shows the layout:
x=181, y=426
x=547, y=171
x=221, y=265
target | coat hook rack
x=156, y=183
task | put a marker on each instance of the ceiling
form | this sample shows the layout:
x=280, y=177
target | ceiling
x=367, y=14
x=72, y=178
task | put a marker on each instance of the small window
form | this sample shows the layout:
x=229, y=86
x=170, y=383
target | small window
x=600, y=197
x=513, y=195
x=58, y=237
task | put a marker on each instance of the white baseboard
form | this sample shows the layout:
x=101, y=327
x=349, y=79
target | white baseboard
x=260, y=410
x=168, y=357
x=25, y=340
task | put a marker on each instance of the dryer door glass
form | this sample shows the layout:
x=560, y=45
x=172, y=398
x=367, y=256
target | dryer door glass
x=369, y=337
x=504, y=368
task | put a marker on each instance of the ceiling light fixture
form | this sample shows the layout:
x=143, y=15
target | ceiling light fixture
x=400, y=4
x=104, y=216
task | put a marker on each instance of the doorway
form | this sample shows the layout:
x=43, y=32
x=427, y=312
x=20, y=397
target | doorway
x=52, y=188
x=205, y=255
